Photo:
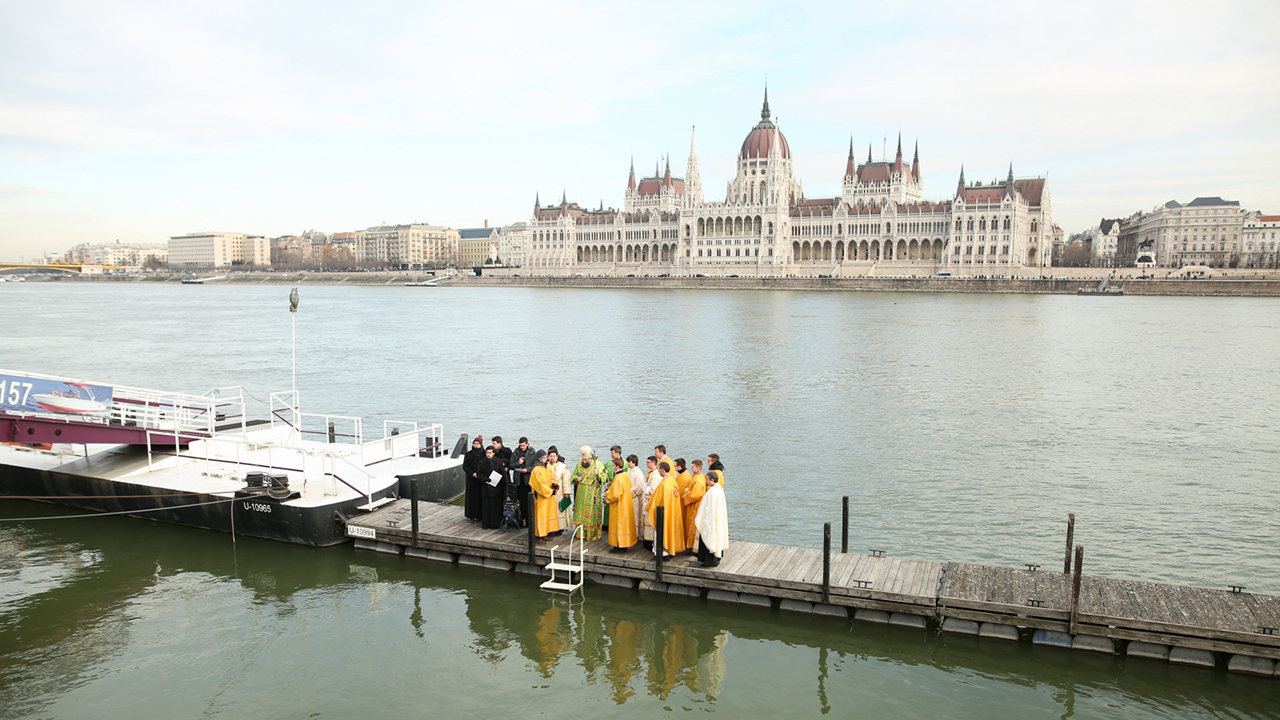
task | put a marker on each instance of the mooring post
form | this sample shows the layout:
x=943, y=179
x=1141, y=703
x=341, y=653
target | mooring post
x=528, y=516
x=844, y=523
x=657, y=542
x=333, y=434
x=1075, y=590
x=413, y=508
x=826, y=559
x=1071, y=536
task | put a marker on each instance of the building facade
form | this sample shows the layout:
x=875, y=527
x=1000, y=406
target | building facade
x=513, y=244
x=218, y=249
x=1260, y=235
x=766, y=226
x=474, y=244
x=130, y=256
x=409, y=246
x=1205, y=231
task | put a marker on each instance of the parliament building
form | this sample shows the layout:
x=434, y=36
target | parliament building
x=881, y=224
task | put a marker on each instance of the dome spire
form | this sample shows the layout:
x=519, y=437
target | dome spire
x=537, y=201
x=764, y=111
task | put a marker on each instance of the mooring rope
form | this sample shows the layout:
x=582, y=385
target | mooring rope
x=120, y=512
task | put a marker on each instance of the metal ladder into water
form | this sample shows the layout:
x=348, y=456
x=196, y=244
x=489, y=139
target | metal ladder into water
x=574, y=572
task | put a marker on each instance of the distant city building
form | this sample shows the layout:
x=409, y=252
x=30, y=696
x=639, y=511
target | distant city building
x=766, y=226
x=513, y=244
x=1102, y=240
x=131, y=256
x=1261, y=233
x=1205, y=231
x=218, y=249
x=474, y=244
x=410, y=246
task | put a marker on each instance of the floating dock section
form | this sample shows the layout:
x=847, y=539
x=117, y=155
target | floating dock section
x=1200, y=627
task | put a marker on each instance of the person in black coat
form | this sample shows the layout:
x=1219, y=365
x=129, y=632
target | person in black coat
x=521, y=465
x=492, y=496
x=471, y=474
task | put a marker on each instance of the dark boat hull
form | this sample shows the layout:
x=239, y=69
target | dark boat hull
x=256, y=516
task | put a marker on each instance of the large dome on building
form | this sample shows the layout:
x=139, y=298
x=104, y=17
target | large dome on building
x=759, y=142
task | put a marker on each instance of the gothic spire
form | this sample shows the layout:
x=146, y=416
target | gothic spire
x=899, y=144
x=868, y=153
x=764, y=111
x=537, y=201
x=631, y=181
x=563, y=201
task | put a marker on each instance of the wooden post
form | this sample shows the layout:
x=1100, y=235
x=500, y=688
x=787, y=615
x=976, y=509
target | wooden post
x=657, y=541
x=413, y=508
x=1075, y=590
x=826, y=560
x=1071, y=536
x=844, y=530
x=528, y=516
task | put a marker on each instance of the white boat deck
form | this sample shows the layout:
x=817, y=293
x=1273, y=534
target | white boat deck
x=323, y=473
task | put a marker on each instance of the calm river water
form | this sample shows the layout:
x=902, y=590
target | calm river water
x=962, y=428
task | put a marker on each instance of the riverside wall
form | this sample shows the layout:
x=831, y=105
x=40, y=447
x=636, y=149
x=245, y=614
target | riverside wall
x=1227, y=286
x=1209, y=287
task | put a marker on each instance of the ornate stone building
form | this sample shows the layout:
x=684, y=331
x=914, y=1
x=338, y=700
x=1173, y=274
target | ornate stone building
x=766, y=226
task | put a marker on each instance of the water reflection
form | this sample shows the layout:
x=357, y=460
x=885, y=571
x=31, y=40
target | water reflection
x=630, y=655
x=237, y=624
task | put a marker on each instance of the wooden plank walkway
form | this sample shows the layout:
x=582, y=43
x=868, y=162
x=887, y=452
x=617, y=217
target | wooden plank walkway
x=773, y=571
x=1177, y=615
x=1171, y=615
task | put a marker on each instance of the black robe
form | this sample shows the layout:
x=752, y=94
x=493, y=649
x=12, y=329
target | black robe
x=492, y=499
x=470, y=473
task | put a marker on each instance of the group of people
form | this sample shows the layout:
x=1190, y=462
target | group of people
x=611, y=496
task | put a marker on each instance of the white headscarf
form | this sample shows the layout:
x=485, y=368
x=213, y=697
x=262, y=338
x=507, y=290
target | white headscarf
x=712, y=521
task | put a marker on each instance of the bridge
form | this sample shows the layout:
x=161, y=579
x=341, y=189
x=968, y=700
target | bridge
x=68, y=268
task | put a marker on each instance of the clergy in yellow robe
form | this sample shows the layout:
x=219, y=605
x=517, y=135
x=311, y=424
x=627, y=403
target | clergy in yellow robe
x=691, y=498
x=667, y=496
x=622, y=528
x=683, y=476
x=546, y=516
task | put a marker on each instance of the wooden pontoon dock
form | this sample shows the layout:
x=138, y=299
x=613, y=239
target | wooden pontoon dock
x=1179, y=624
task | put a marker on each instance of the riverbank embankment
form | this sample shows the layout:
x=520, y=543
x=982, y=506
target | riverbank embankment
x=1226, y=287
x=1208, y=287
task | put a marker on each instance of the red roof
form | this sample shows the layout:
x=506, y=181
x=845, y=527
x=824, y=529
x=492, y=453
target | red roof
x=1269, y=218
x=759, y=141
x=1031, y=190
x=874, y=173
x=653, y=186
x=990, y=195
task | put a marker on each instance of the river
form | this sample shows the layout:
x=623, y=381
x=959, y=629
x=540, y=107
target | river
x=962, y=427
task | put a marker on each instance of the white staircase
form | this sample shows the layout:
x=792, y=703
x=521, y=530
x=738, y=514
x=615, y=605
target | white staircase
x=566, y=576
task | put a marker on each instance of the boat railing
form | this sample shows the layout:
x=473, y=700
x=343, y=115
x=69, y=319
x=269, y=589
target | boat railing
x=333, y=429
x=179, y=413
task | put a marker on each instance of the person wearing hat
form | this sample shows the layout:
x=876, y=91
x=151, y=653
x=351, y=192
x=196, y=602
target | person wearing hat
x=564, y=496
x=545, y=516
x=588, y=479
x=471, y=476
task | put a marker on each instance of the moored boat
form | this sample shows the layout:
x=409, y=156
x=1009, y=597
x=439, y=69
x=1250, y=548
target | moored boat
x=199, y=460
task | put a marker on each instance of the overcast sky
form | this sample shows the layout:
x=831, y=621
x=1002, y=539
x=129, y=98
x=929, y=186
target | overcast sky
x=137, y=121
